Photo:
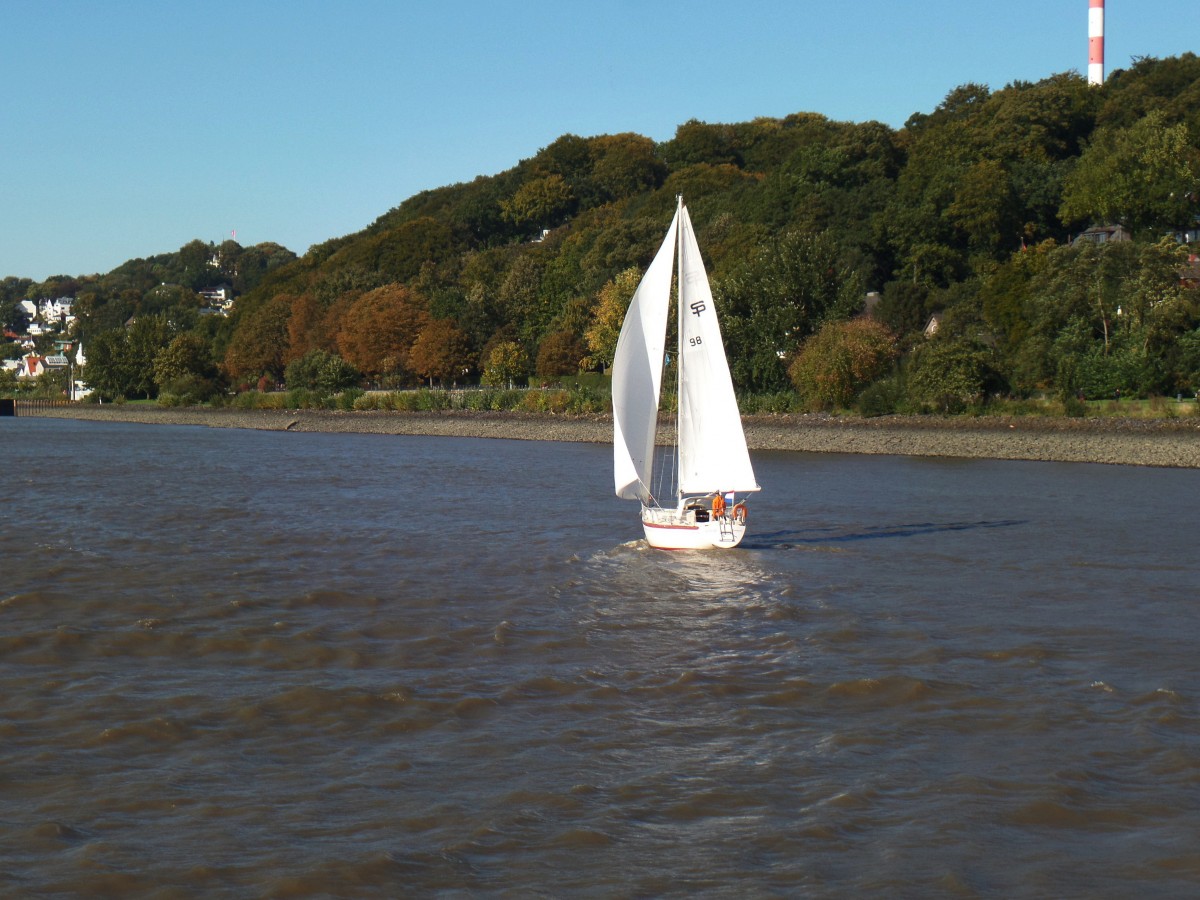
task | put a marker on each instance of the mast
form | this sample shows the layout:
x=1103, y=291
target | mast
x=678, y=339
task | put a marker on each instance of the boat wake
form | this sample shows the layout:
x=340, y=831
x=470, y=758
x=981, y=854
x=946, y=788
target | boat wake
x=791, y=539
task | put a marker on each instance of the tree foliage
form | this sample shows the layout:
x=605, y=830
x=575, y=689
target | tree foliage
x=1146, y=175
x=378, y=330
x=441, y=352
x=320, y=370
x=185, y=368
x=840, y=360
x=559, y=354
x=504, y=363
x=950, y=374
x=607, y=316
x=120, y=363
x=778, y=299
x=260, y=342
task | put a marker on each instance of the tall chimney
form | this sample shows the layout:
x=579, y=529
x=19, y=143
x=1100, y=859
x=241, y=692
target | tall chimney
x=1095, y=41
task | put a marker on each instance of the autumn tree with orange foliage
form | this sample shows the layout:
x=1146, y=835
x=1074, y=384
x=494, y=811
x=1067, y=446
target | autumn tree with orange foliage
x=378, y=330
x=441, y=352
x=306, y=328
x=559, y=354
x=260, y=343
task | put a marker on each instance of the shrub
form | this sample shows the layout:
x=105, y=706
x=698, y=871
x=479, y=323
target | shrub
x=839, y=360
x=186, y=390
x=321, y=371
x=767, y=404
x=347, y=398
x=950, y=375
x=883, y=398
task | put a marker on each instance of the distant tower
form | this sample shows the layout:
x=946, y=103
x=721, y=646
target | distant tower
x=1095, y=41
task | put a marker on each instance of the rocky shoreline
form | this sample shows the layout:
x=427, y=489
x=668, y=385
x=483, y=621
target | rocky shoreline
x=1168, y=443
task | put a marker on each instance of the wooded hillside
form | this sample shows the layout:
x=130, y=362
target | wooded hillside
x=972, y=212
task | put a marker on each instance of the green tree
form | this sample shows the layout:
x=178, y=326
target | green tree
x=109, y=370
x=520, y=297
x=320, y=370
x=777, y=300
x=950, y=374
x=542, y=202
x=505, y=362
x=626, y=164
x=120, y=363
x=145, y=338
x=1147, y=175
x=185, y=368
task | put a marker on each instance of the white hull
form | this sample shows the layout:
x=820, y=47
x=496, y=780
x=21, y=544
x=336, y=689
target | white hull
x=669, y=529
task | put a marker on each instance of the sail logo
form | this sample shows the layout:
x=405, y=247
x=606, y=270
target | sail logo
x=698, y=307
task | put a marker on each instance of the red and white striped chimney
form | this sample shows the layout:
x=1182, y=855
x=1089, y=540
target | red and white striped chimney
x=1095, y=41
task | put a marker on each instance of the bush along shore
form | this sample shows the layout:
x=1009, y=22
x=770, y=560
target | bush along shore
x=1170, y=441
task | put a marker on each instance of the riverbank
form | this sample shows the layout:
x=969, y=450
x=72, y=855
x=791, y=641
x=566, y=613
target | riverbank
x=1170, y=443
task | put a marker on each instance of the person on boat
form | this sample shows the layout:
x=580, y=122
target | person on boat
x=718, y=505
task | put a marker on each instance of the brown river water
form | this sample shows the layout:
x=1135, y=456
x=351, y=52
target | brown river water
x=269, y=664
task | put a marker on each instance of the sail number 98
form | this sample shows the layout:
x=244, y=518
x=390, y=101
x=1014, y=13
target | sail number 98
x=696, y=341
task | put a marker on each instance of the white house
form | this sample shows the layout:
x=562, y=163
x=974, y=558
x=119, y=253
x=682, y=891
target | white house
x=57, y=311
x=31, y=366
x=219, y=299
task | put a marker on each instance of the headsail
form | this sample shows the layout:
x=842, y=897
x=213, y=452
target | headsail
x=712, y=445
x=637, y=374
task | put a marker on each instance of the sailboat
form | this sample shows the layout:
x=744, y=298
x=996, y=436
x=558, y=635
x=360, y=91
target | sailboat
x=710, y=466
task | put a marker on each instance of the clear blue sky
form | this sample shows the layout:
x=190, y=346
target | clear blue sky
x=132, y=127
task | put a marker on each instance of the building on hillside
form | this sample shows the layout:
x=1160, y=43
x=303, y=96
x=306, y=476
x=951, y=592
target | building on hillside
x=31, y=366
x=1189, y=275
x=1189, y=235
x=1102, y=234
x=932, y=326
x=55, y=310
x=218, y=300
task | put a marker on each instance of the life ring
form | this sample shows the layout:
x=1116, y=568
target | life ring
x=718, y=508
x=739, y=513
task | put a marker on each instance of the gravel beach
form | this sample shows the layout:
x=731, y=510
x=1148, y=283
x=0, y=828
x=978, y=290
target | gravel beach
x=1170, y=443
